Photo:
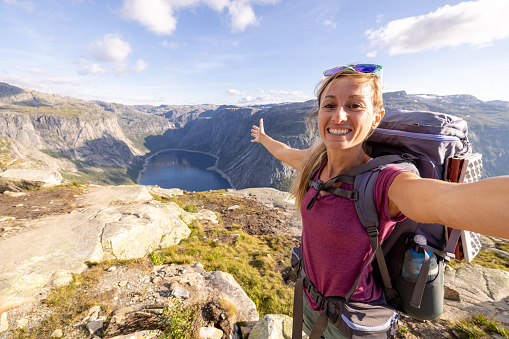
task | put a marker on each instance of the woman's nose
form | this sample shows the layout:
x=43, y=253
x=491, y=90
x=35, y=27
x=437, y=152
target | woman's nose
x=339, y=115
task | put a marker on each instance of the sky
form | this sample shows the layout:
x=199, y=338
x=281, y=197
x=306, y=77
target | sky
x=179, y=52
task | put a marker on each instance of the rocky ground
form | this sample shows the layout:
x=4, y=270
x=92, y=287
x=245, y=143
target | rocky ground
x=140, y=285
x=16, y=208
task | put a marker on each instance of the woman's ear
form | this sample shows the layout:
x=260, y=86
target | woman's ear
x=378, y=118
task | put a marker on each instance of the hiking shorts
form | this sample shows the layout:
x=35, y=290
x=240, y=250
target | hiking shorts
x=310, y=317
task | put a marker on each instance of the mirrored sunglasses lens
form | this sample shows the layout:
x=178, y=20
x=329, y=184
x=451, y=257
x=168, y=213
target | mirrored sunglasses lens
x=366, y=68
x=333, y=70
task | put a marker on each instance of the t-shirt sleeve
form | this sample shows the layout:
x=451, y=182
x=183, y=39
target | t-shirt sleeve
x=382, y=184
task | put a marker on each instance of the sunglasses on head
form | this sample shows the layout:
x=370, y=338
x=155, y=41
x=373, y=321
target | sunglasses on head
x=366, y=68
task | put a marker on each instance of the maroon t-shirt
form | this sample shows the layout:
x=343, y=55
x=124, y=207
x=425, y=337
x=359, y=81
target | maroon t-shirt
x=335, y=245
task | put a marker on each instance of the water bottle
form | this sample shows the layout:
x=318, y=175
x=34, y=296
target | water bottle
x=414, y=259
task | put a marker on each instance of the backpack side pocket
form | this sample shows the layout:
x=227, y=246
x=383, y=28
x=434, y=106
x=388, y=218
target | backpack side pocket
x=432, y=302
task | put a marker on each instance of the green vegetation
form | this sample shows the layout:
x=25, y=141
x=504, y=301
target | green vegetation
x=478, y=326
x=57, y=155
x=5, y=146
x=488, y=258
x=251, y=260
x=191, y=208
x=41, y=109
x=155, y=258
x=99, y=175
x=284, y=184
x=178, y=320
x=402, y=329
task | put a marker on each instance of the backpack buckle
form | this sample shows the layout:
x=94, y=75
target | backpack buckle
x=317, y=185
x=353, y=195
x=372, y=231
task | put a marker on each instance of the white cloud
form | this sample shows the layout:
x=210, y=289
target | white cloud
x=33, y=70
x=171, y=45
x=242, y=15
x=28, y=6
x=159, y=16
x=155, y=15
x=122, y=69
x=263, y=98
x=58, y=85
x=283, y=92
x=275, y=96
x=139, y=66
x=235, y=92
x=475, y=23
x=329, y=23
x=90, y=69
x=110, y=49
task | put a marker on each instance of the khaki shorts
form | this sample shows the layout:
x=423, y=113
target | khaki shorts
x=310, y=317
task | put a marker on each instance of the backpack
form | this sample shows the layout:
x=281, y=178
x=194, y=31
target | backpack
x=433, y=145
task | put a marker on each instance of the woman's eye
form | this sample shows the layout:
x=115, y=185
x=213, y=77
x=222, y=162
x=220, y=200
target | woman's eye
x=356, y=106
x=329, y=106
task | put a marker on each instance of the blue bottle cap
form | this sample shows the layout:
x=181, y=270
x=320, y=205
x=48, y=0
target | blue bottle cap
x=419, y=255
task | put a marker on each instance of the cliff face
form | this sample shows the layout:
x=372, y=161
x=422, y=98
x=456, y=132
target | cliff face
x=75, y=128
x=100, y=140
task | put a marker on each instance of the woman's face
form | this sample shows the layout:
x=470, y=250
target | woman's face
x=346, y=115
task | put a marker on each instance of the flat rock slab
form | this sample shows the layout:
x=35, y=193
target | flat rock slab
x=46, y=255
x=480, y=291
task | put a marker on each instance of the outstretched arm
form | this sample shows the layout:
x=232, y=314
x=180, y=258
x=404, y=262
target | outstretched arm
x=481, y=207
x=292, y=156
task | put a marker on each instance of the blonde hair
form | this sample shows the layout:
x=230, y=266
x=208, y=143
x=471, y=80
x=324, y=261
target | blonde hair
x=318, y=152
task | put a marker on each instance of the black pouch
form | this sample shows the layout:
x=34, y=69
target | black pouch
x=367, y=319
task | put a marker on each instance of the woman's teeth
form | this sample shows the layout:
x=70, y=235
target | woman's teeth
x=337, y=131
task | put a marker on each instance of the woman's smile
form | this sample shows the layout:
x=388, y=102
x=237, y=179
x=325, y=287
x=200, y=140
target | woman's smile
x=338, y=131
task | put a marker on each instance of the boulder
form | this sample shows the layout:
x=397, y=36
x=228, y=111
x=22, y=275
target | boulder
x=140, y=230
x=210, y=333
x=273, y=326
x=165, y=192
x=16, y=180
x=228, y=289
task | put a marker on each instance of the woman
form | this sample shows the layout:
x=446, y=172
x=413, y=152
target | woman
x=334, y=243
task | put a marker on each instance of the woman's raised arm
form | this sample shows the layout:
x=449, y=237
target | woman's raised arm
x=291, y=156
x=481, y=207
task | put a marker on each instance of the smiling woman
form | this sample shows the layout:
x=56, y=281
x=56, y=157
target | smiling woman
x=336, y=249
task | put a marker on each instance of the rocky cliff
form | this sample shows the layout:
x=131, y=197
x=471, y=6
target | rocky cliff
x=77, y=129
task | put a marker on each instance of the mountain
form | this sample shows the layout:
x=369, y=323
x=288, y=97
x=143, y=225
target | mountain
x=115, y=139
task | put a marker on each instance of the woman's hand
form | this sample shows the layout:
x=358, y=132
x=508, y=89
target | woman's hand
x=292, y=156
x=257, y=132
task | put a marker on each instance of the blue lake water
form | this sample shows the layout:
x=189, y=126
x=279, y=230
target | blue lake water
x=184, y=170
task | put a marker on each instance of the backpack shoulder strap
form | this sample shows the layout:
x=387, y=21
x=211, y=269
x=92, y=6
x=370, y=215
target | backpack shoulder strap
x=364, y=185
